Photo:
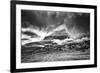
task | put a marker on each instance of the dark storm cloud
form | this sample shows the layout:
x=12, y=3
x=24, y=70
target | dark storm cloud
x=78, y=21
x=75, y=22
x=31, y=18
x=41, y=18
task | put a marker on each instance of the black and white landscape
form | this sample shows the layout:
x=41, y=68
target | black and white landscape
x=54, y=36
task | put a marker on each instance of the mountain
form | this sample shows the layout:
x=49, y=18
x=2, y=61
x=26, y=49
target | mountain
x=61, y=35
x=58, y=35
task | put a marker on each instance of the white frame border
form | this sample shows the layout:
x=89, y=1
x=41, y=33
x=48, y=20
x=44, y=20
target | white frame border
x=20, y=65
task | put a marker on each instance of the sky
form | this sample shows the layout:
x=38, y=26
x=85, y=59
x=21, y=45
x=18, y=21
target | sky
x=45, y=22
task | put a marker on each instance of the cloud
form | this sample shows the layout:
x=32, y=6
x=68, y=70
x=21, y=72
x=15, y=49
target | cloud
x=48, y=21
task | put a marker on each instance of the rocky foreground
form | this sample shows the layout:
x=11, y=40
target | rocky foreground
x=44, y=51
